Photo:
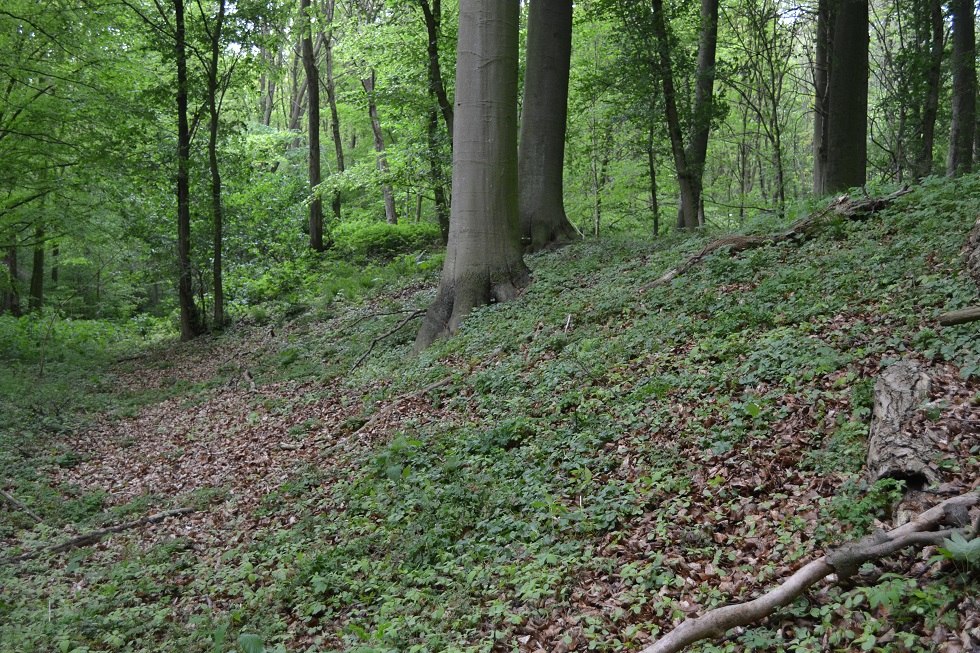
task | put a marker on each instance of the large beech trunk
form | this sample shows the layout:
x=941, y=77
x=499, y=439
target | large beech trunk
x=846, y=131
x=544, y=223
x=962, y=125
x=483, y=258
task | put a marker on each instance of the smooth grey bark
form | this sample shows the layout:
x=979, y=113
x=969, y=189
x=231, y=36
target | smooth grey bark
x=483, y=259
x=391, y=214
x=190, y=317
x=963, y=122
x=847, y=105
x=544, y=116
x=689, y=161
x=432, y=13
x=313, y=127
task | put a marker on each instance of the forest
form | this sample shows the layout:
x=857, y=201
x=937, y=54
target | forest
x=393, y=326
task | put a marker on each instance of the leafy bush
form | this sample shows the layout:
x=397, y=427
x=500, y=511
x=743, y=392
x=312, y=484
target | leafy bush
x=380, y=240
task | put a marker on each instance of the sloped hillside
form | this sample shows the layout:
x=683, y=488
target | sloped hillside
x=579, y=469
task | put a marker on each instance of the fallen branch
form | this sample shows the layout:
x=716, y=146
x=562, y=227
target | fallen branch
x=962, y=316
x=415, y=314
x=95, y=536
x=17, y=505
x=843, y=206
x=844, y=562
x=397, y=400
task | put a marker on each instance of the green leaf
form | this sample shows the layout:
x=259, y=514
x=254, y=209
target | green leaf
x=251, y=643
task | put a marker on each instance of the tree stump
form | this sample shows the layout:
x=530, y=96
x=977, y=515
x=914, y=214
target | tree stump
x=895, y=450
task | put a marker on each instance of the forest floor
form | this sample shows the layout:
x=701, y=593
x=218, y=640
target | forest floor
x=579, y=469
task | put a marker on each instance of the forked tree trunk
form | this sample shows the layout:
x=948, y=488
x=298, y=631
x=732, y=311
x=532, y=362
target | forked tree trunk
x=483, y=259
x=847, y=106
x=544, y=223
x=962, y=124
x=391, y=214
x=190, y=317
x=313, y=128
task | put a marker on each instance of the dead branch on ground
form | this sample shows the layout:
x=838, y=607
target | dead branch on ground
x=843, y=206
x=844, y=562
x=17, y=505
x=414, y=315
x=962, y=316
x=95, y=536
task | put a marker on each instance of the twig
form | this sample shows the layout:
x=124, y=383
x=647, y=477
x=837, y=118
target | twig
x=95, y=536
x=9, y=498
x=397, y=400
x=368, y=316
x=844, y=561
x=415, y=314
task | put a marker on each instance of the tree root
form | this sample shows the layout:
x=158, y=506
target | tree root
x=95, y=536
x=844, y=562
x=843, y=206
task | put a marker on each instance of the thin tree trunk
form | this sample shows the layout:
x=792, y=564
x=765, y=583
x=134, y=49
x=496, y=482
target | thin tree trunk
x=338, y=143
x=483, y=260
x=55, y=253
x=37, y=271
x=541, y=156
x=190, y=318
x=652, y=170
x=963, y=122
x=437, y=179
x=313, y=128
x=697, y=149
x=217, y=210
x=432, y=13
x=821, y=90
x=391, y=215
x=11, y=295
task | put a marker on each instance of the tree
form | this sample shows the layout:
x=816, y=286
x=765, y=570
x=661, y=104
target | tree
x=391, y=215
x=689, y=160
x=841, y=145
x=963, y=123
x=483, y=259
x=543, y=121
x=313, y=126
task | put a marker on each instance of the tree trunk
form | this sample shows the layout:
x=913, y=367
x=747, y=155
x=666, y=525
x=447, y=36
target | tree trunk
x=541, y=159
x=190, y=317
x=483, y=259
x=847, y=118
x=37, y=271
x=689, y=161
x=963, y=122
x=652, y=170
x=217, y=210
x=821, y=107
x=338, y=143
x=55, y=253
x=436, y=176
x=391, y=215
x=313, y=127
x=432, y=13
x=11, y=295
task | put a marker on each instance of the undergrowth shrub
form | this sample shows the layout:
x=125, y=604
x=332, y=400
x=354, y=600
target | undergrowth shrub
x=380, y=240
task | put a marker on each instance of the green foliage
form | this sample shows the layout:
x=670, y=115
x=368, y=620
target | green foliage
x=361, y=241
